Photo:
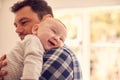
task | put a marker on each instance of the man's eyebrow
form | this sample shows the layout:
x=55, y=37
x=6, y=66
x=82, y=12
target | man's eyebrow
x=24, y=18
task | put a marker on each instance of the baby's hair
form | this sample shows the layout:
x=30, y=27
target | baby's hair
x=61, y=22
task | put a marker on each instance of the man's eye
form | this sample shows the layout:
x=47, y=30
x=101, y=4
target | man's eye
x=23, y=22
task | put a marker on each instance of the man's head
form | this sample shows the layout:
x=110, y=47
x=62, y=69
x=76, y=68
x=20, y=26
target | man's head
x=29, y=12
x=51, y=32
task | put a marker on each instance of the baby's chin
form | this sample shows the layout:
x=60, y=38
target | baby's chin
x=47, y=49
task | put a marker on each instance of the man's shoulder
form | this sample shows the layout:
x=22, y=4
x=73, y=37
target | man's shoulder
x=66, y=49
x=60, y=50
x=60, y=60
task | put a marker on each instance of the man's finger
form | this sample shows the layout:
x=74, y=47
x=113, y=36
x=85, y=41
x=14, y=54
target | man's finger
x=1, y=78
x=3, y=63
x=3, y=72
x=3, y=57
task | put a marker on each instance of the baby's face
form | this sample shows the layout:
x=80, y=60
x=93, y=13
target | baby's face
x=52, y=33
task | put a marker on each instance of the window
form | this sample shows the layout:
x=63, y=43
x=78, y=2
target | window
x=94, y=36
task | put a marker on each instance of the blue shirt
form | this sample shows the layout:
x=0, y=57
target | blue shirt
x=60, y=64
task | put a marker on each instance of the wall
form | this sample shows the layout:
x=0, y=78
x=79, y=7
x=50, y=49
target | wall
x=58, y=4
x=7, y=34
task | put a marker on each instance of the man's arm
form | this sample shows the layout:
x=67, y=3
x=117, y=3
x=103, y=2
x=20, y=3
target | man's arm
x=2, y=64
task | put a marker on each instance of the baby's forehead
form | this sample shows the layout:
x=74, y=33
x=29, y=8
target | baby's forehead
x=58, y=26
x=53, y=23
x=56, y=22
x=52, y=20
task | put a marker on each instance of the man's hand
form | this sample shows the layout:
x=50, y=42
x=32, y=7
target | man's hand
x=2, y=64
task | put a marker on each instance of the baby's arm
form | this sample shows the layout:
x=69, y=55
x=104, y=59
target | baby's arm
x=33, y=58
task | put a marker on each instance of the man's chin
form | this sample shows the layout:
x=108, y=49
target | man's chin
x=21, y=38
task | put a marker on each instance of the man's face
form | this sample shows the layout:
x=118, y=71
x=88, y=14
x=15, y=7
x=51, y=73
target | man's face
x=25, y=18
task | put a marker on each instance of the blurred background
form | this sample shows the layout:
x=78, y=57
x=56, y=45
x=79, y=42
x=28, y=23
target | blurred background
x=93, y=33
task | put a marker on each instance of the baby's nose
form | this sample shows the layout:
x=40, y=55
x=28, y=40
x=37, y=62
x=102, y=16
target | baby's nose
x=57, y=38
x=57, y=41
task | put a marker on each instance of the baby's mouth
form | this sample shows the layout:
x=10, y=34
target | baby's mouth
x=52, y=43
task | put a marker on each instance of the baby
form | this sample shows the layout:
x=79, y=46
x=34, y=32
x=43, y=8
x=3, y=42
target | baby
x=26, y=58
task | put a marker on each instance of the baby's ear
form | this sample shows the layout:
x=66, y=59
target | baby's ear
x=34, y=29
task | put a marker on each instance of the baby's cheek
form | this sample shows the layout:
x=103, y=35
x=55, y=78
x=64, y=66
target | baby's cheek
x=61, y=44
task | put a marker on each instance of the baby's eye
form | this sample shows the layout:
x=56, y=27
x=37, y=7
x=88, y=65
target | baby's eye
x=53, y=31
x=61, y=39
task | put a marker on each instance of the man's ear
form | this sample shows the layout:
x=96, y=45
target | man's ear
x=34, y=29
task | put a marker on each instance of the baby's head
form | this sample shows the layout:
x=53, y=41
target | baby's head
x=51, y=32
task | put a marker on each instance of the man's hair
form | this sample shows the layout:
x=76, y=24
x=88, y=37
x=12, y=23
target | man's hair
x=40, y=7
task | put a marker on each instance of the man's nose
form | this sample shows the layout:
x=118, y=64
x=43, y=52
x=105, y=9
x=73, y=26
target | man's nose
x=19, y=29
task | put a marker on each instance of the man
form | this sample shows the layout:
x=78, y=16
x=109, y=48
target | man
x=58, y=64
